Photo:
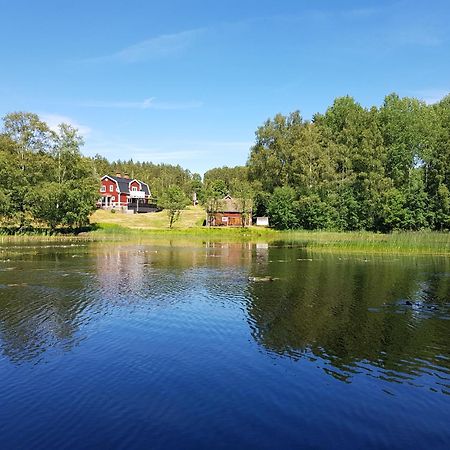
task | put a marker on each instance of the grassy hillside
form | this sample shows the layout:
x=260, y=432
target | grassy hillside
x=191, y=217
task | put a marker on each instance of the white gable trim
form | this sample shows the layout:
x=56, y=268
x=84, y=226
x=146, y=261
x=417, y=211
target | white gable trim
x=137, y=181
x=112, y=179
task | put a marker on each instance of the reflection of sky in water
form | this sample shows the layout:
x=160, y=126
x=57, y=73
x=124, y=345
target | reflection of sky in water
x=233, y=333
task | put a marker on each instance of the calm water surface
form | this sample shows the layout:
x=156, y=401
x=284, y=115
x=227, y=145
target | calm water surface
x=189, y=346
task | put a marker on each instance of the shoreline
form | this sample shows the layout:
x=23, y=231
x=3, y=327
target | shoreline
x=406, y=242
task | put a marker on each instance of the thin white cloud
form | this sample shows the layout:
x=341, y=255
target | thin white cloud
x=219, y=145
x=359, y=13
x=114, y=150
x=53, y=120
x=415, y=37
x=431, y=96
x=167, y=150
x=175, y=105
x=392, y=33
x=148, y=103
x=169, y=44
x=165, y=45
x=156, y=47
x=322, y=15
x=165, y=156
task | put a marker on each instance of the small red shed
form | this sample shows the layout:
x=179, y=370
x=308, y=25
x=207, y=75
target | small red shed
x=230, y=212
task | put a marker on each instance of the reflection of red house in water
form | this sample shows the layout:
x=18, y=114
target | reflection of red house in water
x=126, y=193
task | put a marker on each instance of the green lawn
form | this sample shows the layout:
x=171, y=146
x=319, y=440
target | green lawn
x=193, y=216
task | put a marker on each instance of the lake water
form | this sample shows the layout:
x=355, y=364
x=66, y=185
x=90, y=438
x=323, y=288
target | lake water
x=185, y=345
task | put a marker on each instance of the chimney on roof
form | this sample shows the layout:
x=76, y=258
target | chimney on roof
x=126, y=175
x=118, y=175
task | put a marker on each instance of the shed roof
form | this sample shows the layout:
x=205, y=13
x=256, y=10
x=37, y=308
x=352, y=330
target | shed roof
x=229, y=205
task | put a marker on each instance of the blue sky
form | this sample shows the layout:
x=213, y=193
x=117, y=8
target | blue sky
x=188, y=82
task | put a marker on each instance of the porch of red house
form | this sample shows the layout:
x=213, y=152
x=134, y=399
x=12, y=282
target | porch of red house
x=137, y=205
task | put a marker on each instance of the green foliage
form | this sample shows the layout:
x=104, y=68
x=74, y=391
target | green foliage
x=314, y=214
x=353, y=168
x=45, y=203
x=273, y=154
x=442, y=207
x=282, y=209
x=261, y=201
x=43, y=176
x=244, y=195
x=218, y=188
x=225, y=180
x=173, y=200
x=28, y=132
x=5, y=204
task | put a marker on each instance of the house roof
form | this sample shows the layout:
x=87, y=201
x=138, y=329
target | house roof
x=145, y=187
x=229, y=205
x=124, y=184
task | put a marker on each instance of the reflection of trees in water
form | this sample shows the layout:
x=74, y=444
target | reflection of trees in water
x=349, y=314
x=355, y=314
x=51, y=292
x=40, y=304
x=142, y=274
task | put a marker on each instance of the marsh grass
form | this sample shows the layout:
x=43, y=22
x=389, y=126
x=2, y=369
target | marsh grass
x=425, y=242
x=154, y=226
x=405, y=242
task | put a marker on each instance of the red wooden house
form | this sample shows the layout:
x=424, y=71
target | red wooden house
x=125, y=193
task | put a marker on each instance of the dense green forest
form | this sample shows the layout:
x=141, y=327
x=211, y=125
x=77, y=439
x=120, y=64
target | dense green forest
x=351, y=168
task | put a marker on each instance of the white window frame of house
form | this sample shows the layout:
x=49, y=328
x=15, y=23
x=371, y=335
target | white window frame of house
x=134, y=188
x=103, y=189
x=111, y=188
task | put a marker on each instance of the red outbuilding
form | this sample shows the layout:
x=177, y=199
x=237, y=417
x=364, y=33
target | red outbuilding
x=230, y=212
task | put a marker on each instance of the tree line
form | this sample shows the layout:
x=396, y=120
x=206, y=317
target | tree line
x=44, y=179
x=351, y=168
x=47, y=184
